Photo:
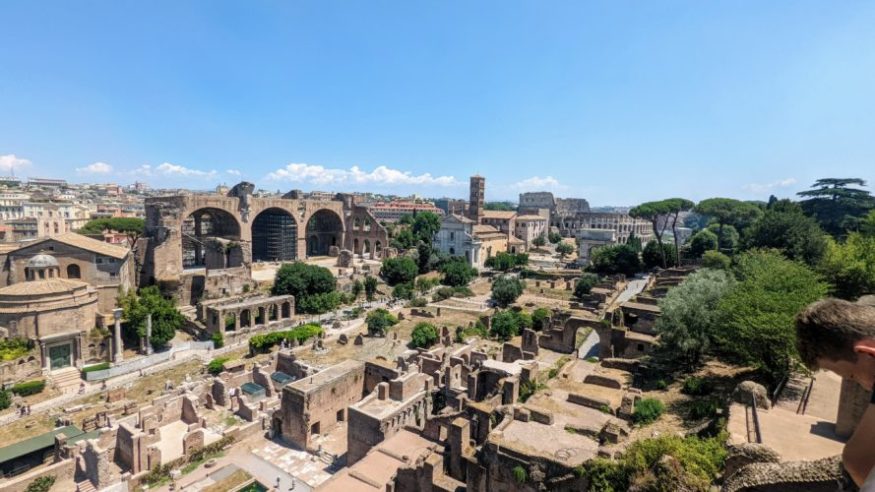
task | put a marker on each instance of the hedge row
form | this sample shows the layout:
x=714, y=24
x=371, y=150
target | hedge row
x=96, y=367
x=263, y=343
x=29, y=387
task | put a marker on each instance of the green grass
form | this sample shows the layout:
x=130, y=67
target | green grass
x=96, y=367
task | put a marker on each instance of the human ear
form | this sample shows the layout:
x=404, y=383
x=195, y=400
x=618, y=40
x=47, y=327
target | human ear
x=865, y=346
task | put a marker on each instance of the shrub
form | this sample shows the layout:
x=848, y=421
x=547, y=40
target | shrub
x=303, y=281
x=379, y=321
x=585, y=284
x=702, y=408
x=610, y=260
x=508, y=324
x=462, y=291
x=218, y=340
x=96, y=367
x=701, y=242
x=443, y=293
x=319, y=303
x=696, y=386
x=29, y=387
x=41, y=484
x=715, y=260
x=5, y=400
x=529, y=388
x=540, y=318
x=519, y=474
x=419, y=302
x=653, y=257
x=403, y=291
x=217, y=365
x=166, y=319
x=661, y=384
x=647, y=410
x=13, y=348
x=263, y=343
x=424, y=335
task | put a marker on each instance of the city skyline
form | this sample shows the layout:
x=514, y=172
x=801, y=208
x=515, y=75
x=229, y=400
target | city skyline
x=607, y=102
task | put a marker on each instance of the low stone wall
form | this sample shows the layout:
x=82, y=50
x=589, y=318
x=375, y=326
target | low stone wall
x=62, y=471
x=591, y=402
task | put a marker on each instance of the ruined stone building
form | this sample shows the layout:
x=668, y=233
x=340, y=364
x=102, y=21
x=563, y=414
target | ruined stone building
x=190, y=240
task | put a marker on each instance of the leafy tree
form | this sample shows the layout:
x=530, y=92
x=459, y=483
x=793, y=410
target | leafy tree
x=727, y=238
x=540, y=318
x=675, y=207
x=425, y=226
x=166, y=319
x=838, y=204
x=505, y=261
x=303, y=281
x=500, y=206
x=850, y=266
x=319, y=303
x=357, y=288
x=131, y=226
x=457, y=272
x=656, y=213
x=659, y=254
x=506, y=325
x=867, y=225
x=379, y=321
x=424, y=335
x=5, y=400
x=554, y=237
x=702, y=241
x=424, y=284
x=406, y=219
x=426, y=259
x=564, y=249
x=399, y=270
x=611, y=260
x=404, y=239
x=716, y=260
x=758, y=313
x=689, y=321
x=585, y=284
x=726, y=212
x=506, y=290
x=786, y=228
x=539, y=241
x=370, y=287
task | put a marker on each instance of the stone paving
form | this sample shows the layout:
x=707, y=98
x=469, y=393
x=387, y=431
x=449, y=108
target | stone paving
x=300, y=464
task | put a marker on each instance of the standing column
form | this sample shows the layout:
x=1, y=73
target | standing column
x=149, y=334
x=117, y=355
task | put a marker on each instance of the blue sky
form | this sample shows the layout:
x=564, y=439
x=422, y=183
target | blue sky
x=617, y=102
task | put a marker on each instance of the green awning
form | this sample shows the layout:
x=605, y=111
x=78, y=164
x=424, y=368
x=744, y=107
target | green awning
x=42, y=441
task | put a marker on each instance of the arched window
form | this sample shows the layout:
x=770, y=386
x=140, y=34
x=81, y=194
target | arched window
x=73, y=271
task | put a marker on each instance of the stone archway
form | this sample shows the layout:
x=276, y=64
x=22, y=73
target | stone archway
x=324, y=230
x=274, y=236
x=200, y=225
x=366, y=249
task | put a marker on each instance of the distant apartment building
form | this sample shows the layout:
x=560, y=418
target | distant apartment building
x=46, y=182
x=393, y=211
x=452, y=206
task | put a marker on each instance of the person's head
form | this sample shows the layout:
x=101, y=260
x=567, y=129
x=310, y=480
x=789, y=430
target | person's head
x=838, y=336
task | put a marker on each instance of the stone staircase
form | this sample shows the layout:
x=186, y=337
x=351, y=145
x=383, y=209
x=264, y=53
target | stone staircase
x=67, y=380
x=85, y=486
x=190, y=312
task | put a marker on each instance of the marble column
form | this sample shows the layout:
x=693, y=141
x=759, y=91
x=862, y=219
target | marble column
x=117, y=355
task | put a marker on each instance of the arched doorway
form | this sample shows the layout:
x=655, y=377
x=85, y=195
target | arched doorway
x=324, y=230
x=73, y=271
x=274, y=236
x=366, y=250
x=202, y=224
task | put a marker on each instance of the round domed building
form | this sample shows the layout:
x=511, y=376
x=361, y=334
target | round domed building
x=56, y=313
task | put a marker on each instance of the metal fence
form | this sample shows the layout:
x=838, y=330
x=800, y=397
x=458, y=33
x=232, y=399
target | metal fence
x=145, y=362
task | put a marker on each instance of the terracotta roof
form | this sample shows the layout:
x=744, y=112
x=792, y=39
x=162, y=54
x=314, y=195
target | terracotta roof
x=41, y=287
x=462, y=219
x=515, y=240
x=485, y=229
x=498, y=214
x=88, y=244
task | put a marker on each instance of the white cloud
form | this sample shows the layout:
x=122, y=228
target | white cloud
x=95, y=168
x=233, y=172
x=537, y=183
x=382, y=175
x=9, y=162
x=765, y=187
x=172, y=170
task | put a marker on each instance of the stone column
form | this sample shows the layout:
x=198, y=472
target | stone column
x=45, y=355
x=149, y=334
x=117, y=355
